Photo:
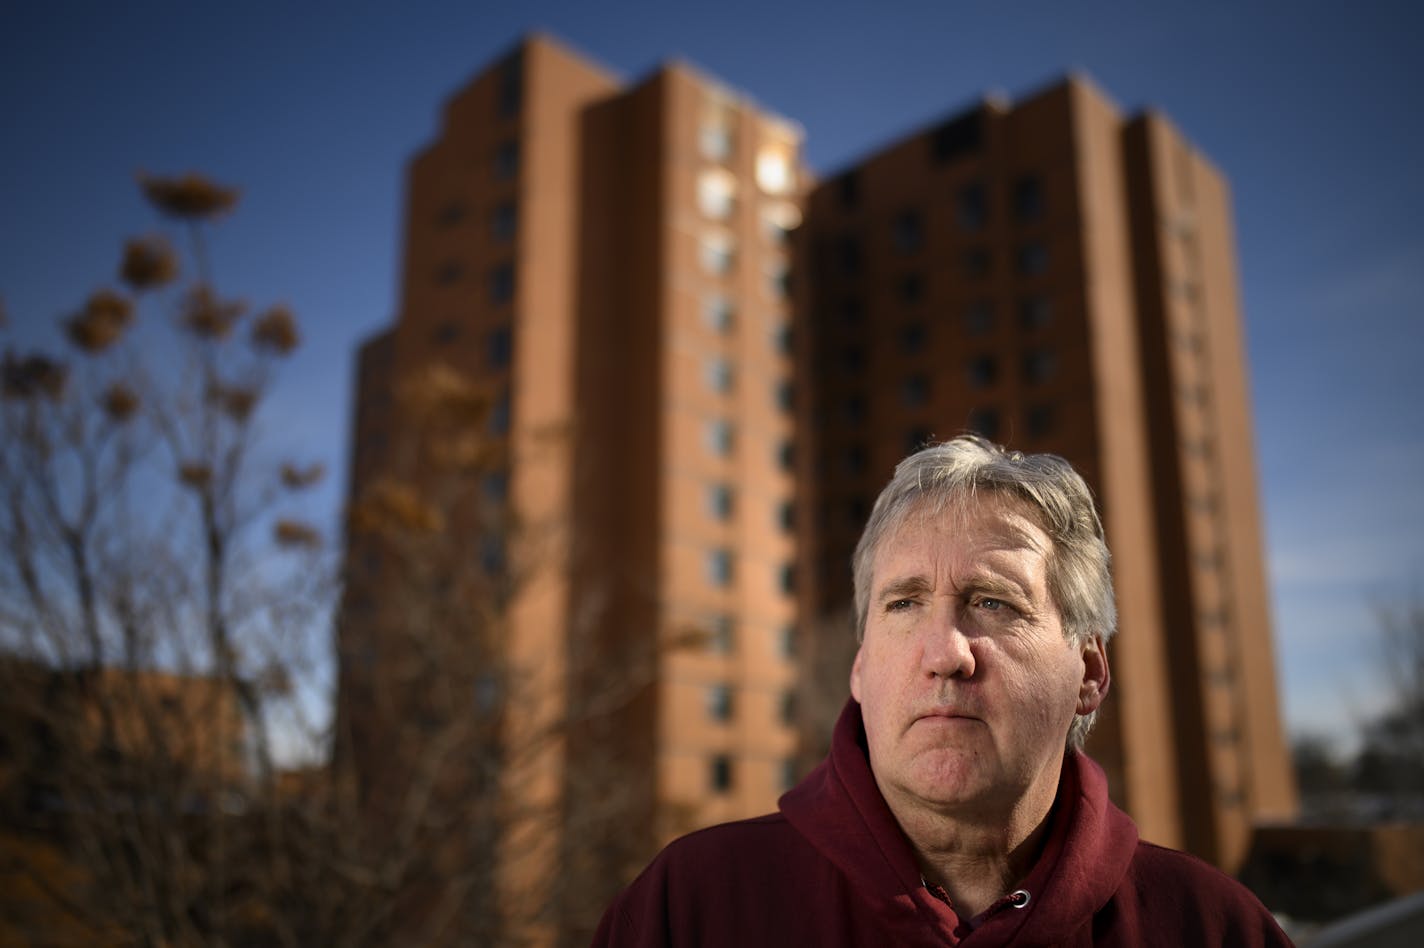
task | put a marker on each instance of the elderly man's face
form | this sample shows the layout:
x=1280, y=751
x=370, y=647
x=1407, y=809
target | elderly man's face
x=965, y=679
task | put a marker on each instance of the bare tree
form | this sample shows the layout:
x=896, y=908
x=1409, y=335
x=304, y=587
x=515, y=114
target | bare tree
x=1390, y=765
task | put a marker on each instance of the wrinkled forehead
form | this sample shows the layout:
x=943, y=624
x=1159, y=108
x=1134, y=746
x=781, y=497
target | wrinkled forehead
x=1016, y=520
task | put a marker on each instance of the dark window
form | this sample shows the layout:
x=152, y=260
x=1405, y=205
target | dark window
x=857, y=509
x=983, y=371
x=719, y=567
x=971, y=208
x=495, y=485
x=978, y=318
x=848, y=256
x=985, y=421
x=1040, y=365
x=790, y=773
x=788, y=578
x=786, y=454
x=975, y=262
x=785, y=395
x=784, y=339
x=499, y=415
x=1038, y=420
x=853, y=359
x=451, y=214
x=492, y=552
x=722, y=634
x=786, y=641
x=720, y=773
x=908, y=232
x=506, y=160
x=449, y=272
x=720, y=437
x=786, y=515
x=853, y=407
x=502, y=221
x=915, y=391
x=719, y=703
x=1032, y=259
x=499, y=347
x=1035, y=312
x=721, y=501
x=957, y=137
x=852, y=311
x=446, y=333
x=718, y=313
x=1028, y=198
x=855, y=460
x=911, y=288
x=788, y=707
x=913, y=337
x=501, y=284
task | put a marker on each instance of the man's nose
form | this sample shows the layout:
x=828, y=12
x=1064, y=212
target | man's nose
x=948, y=652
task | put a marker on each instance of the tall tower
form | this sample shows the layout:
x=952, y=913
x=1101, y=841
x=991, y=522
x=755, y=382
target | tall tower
x=1058, y=280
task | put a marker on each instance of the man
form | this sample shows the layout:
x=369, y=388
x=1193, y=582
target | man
x=956, y=806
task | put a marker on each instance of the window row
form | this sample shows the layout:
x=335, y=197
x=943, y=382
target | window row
x=719, y=436
x=721, y=774
x=1030, y=259
x=499, y=280
x=719, y=567
x=1036, y=367
x=978, y=318
x=499, y=342
x=721, y=637
x=721, y=704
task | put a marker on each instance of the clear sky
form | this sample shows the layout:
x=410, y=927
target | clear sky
x=1310, y=109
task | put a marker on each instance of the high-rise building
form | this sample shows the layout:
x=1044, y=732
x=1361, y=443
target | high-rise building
x=678, y=442
x=1060, y=279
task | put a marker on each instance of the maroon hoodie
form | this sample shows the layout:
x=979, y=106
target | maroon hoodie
x=833, y=868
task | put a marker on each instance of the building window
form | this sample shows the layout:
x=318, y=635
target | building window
x=847, y=255
x=786, y=515
x=718, y=565
x=857, y=509
x=983, y=371
x=450, y=214
x=853, y=408
x=716, y=194
x=848, y=189
x=501, y=284
x=716, y=254
x=907, y=232
x=718, y=313
x=1039, y=365
x=778, y=220
x=721, y=634
x=775, y=171
x=506, y=160
x=502, y=221
x=495, y=485
x=985, y=422
x=789, y=774
x=714, y=138
x=719, y=374
x=720, y=773
x=978, y=318
x=785, y=395
x=786, y=641
x=499, y=347
x=911, y=288
x=975, y=263
x=783, y=338
x=786, y=454
x=957, y=137
x=852, y=312
x=719, y=703
x=915, y=391
x=1035, y=312
x=1028, y=198
x=787, y=578
x=855, y=460
x=778, y=281
x=445, y=333
x=971, y=208
x=720, y=437
x=721, y=501
x=787, y=709
x=492, y=553
x=449, y=272
x=1038, y=420
x=499, y=414
x=913, y=337
x=1032, y=258
x=853, y=360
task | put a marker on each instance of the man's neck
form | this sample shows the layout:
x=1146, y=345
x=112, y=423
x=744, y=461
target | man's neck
x=975, y=860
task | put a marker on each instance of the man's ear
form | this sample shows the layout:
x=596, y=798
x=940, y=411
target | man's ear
x=855, y=674
x=1097, y=677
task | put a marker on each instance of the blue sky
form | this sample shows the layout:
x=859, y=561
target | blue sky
x=313, y=109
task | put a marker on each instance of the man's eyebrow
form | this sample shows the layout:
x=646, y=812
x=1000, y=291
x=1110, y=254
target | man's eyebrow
x=903, y=586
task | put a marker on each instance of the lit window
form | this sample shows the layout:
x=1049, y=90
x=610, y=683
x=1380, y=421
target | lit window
x=717, y=313
x=714, y=138
x=719, y=374
x=719, y=703
x=908, y=232
x=502, y=221
x=716, y=254
x=720, y=436
x=971, y=208
x=774, y=172
x=720, y=773
x=719, y=567
x=720, y=501
x=1028, y=198
x=716, y=194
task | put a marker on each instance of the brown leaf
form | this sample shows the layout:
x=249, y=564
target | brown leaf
x=296, y=478
x=148, y=262
x=120, y=402
x=275, y=331
x=293, y=533
x=101, y=322
x=189, y=197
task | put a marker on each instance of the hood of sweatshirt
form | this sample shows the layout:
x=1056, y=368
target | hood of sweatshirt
x=1087, y=850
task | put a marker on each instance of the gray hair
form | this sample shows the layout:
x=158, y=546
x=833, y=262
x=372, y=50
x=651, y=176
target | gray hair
x=1079, y=574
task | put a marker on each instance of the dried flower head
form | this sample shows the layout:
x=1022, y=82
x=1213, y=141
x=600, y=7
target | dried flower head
x=120, y=402
x=293, y=533
x=296, y=478
x=148, y=262
x=392, y=508
x=195, y=474
x=189, y=197
x=275, y=331
x=101, y=322
x=235, y=401
x=207, y=317
x=29, y=376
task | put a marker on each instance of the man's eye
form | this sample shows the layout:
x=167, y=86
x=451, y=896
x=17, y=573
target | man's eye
x=993, y=605
x=899, y=605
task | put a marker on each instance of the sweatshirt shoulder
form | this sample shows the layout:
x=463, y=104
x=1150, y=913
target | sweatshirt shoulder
x=1173, y=887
